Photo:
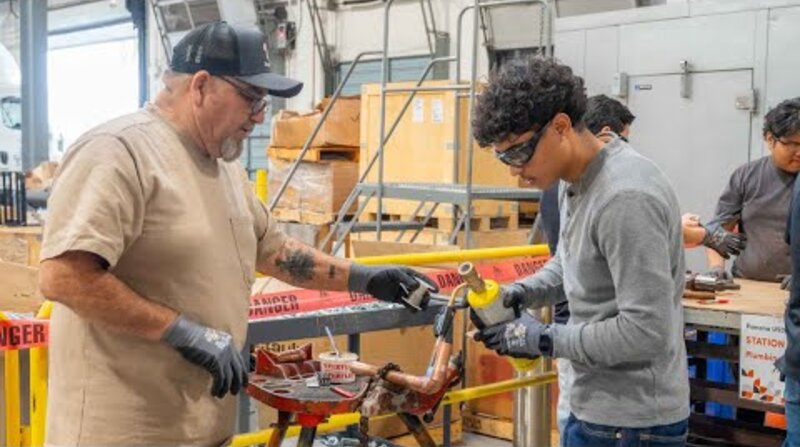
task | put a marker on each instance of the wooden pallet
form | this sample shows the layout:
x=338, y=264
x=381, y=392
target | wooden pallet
x=300, y=216
x=437, y=433
x=479, y=223
x=433, y=236
x=315, y=154
x=498, y=427
x=487, y=425
x=21, y=245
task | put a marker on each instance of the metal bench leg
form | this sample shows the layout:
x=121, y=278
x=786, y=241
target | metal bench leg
x=284, y=419
x=417, y=429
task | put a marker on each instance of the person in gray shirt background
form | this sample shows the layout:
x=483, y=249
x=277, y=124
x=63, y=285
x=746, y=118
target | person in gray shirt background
x=620, y=261
x=756, y=200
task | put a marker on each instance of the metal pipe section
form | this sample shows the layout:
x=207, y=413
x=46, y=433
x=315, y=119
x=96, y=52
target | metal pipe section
x=384, y=81
x=470, y=146
x=531, y=405
x=314, y=133
x=33, y=66
x=444, y=257
x=470, y=276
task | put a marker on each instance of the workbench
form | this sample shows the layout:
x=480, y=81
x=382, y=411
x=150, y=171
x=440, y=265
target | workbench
x=350, y=322
x=754, y=298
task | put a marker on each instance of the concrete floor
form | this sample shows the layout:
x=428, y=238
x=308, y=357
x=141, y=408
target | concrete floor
x=468, y=440
x=475, y=440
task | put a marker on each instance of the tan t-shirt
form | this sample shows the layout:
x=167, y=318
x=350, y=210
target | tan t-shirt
x=180, y=229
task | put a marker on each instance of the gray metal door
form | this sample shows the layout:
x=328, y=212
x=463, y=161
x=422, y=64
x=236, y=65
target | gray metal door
x=697, y=141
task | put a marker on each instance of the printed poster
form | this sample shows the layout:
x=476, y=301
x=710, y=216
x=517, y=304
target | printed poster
x=763, y=341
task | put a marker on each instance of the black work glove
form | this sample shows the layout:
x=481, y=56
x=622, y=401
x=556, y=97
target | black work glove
x=518, y=338
x=724, y=242
x=212, y=350
x=786, y=281
x=476, y=320
x=387, y=283
x=516, y=297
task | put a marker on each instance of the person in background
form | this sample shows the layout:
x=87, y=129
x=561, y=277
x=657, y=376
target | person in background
x=756, y=203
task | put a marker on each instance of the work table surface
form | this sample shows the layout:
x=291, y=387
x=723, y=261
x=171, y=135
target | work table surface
x=755, y=298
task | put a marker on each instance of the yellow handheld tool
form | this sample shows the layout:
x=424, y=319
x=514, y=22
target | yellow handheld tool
x=486, y=301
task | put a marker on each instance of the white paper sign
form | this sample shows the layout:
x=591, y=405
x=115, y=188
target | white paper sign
x=437, y=111
x=762, y=342
x=418, y=111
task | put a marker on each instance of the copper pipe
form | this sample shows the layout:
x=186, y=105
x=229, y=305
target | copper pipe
x=422, y=384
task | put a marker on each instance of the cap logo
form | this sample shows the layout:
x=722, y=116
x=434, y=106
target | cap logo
x=266, y=54
x=198, y=56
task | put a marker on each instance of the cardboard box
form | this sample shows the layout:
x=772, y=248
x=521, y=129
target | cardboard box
x=21, y=245
x=41, y=177
x=316, y=187
x=20, y=290
x=341, y=128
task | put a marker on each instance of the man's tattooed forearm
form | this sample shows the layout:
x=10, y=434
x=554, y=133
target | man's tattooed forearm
x=331, y=272
x=299, y=264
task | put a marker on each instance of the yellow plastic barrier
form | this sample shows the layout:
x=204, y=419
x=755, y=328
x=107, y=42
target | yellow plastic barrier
x=12, y=393
x=18, y=435
x=38, y=379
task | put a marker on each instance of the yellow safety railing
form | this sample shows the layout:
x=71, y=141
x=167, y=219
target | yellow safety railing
x=17, y=434
x=343, y=420
x=261, y=185
x=443, y=257
x=340, y=421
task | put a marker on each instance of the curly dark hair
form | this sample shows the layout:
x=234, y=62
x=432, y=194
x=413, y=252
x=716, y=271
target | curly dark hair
x=784, y=119
x=602, y=111
x=525, y=93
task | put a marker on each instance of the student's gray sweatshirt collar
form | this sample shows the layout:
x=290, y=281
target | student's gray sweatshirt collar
x=594, y=167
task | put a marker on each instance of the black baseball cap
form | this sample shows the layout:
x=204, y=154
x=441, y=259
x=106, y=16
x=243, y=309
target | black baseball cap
x=227, y=50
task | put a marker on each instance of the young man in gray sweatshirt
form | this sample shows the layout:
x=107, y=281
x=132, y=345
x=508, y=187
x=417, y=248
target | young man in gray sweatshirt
x=620, y=262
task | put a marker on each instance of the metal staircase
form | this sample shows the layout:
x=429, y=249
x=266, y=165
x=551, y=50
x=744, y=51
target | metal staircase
x=460, y=195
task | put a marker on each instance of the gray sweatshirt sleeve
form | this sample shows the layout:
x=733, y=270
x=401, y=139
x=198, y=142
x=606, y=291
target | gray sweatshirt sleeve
x=731, y=201
x=545, y=287
x=633, y=233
